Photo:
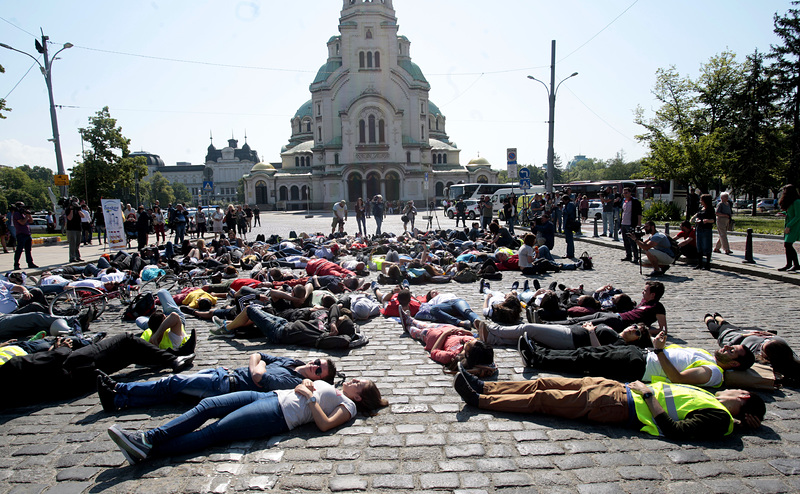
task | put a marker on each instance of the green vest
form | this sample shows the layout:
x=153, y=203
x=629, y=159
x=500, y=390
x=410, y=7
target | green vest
x=677, y=400
x=166, y=342
x=10, y=351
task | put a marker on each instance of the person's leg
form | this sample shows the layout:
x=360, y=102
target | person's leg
x=203, y=384
x=501, y=335
x=439, y=314
x=272, y=327
x=245, y=415
x=116, y=352
x=21, y=325
x=791, y=255
x=18, y=250
x=169, y=306
x=596, y=399
x=462, y=308
x=570, y=242
x=623, y=363
x=555, y=336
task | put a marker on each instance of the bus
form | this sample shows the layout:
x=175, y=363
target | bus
x=473, y=191
x=648, y=190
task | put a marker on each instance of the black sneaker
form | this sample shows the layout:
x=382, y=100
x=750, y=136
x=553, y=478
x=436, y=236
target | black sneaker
x=86, y=318
x=626, y=259
x=526, y=286
x=528, y=314
x=188, y=347
x=182, y=362
x=463, y=389
x=515, y=285
x=664, y=269
x=474, y=382
x=106, y=395
x=536, y=284
x=188, y=310
x=524, y=350
x=133, y=445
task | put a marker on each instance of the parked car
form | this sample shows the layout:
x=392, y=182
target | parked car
x=767, y=205
x=743, y=204
x=39, y=225
x=595, y=210
x=472, y=209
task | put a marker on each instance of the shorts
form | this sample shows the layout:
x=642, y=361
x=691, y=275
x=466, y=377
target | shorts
x=662, y=257
x=337, y=221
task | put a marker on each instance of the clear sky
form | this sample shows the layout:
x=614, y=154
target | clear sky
x=174, y=71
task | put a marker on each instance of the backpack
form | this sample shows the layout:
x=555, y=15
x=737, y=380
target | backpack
x=143, y=304
x=466, y=276
x=587, y=260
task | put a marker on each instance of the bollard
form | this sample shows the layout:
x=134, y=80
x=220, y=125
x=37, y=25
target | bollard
x=615, y=227
x=666, y=228
x=595, y=228
x=748, y=248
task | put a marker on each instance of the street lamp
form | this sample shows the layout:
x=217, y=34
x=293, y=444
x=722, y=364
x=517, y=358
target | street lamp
x=551, y=96
x=47, y=73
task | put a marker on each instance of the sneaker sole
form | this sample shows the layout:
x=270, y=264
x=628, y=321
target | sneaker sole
x=522, y=347
x=129, y=450
x=213, y=336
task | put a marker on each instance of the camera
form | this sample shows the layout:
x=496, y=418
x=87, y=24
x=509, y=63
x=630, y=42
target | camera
x=637, y=233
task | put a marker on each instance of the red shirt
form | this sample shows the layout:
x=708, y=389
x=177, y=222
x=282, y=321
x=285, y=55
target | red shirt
x=392, y=309
x=323, y=267
x=510, y=264
x=238, y=283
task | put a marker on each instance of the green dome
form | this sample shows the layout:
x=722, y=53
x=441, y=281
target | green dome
x=433, y=109
x=304, y=110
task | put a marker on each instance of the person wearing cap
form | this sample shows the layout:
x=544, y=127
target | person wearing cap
x=22, y=220
x=339, y=216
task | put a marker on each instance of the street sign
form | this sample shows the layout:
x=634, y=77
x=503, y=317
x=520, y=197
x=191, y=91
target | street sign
x=208, y=186
x=511, y=156
x=524, y=183
x=61, y=180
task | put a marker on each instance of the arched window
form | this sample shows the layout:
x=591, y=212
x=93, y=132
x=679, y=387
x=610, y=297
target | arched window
x=444, y=158
x=483, y=180
x=361, y=59
x=408, y=156
x=381, y=132
x=308, y=126
x=362, y=131
x=319, y=133
x=437, y=124
x=304, y=193
x=296, y=161
x=294, y=194
x=261, y=192
x=337, y=48
x=369, y=33
x=336, y=158
x=369, y=59
x=371, y=128
x=377, y=60
x=439, y=189
x=283, y=194
x=422, y=132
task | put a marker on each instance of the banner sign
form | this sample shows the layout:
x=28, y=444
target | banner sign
x=115, y=230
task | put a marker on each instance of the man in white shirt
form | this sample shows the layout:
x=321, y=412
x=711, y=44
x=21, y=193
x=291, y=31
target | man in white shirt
x=339, y=216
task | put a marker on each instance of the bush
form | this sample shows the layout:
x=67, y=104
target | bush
x=662, y=211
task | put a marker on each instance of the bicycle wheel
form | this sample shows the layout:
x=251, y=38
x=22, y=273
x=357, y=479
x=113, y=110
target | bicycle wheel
x=75, y=301
x=167, y=282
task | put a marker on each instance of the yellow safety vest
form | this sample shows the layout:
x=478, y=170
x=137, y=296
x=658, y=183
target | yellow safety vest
x=677, y=400
x=698, y=363
x=166, y=342
x=10, y=351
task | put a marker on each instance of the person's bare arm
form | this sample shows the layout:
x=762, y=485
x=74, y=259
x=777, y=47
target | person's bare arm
x=257, y=368
x=696, y=375
x=592, y=335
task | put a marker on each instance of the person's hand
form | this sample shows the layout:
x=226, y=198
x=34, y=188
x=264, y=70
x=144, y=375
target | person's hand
x=26, y=295
x=305, y=389
x=787, y=230
x=638, y=387
x=660, y=341
x=752, y=421
x=9, y=342
x=589, y=327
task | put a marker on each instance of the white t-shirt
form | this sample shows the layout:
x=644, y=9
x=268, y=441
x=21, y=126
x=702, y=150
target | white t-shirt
x=297, y=412
x=496, y=299
x=92, y=283
x=113, y=277
x=681, y=358
x=7, y=302
x=351, y=264
x=339, y=211
x=525, y=251
x=53, y=280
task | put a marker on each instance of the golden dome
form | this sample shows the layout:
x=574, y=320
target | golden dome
x=261, y=167
x=480, y=161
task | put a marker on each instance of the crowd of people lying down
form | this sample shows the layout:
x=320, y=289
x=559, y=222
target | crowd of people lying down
x=318, y=291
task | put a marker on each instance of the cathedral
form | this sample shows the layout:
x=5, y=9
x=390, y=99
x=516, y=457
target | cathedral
x=368, y=127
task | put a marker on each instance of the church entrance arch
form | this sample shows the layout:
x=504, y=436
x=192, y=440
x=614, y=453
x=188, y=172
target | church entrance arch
x=373, y=185
x=392, y=187
x=262, y=196
x=354, y=182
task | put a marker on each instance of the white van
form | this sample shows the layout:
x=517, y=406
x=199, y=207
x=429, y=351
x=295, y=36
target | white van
x=499, y=198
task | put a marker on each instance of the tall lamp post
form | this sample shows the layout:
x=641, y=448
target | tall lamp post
x=551, y=96
x=47, y=73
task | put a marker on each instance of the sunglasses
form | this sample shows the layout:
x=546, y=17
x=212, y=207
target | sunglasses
x=318, y=370
x=637, y=333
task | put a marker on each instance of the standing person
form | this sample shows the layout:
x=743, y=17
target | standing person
x=100, y=224
x=201, y=222
x=584, y=207
x=51, y=222
x=692, y=204
x=248, y=212
x=510, y=213
x=22, y=220
x=158, y=224
x=486, y=212
x=142, y=228
x=607, y=199
x=230, y=220
x=86, y=224
x=179, y=221
x=73, y=216
x=704, y=226
x=461, y=212
x=377, y=212
x=631, y=218
x=339, y=216
x=410, y=212
x=557, y=204
x=216, y=222
x=256, y=216
x=570, y=217
x=361, y=216
x=4, y=233
x=790, y=202
x=724, y=217
x=241, y=222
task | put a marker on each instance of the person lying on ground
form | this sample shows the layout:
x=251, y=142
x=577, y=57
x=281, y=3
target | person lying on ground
x=502, y=308
x=559, y=337
x=264, y=373
x=629, y=363
x=248, y=415
x=447, y=308
x=684, y=412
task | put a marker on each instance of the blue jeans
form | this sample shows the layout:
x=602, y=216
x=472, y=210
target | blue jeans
x=168, y=306
x=180, y=232
x=608, y=222
x=544, y=253
x=378, y=222
x=203, y=384
x=242, y=416
x=273, y=327
x=704, y=237
x=569, y=240
x=451, y=312
x=362, y=223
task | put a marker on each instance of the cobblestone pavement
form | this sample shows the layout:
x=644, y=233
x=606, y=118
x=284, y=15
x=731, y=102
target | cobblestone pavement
x=427, y=440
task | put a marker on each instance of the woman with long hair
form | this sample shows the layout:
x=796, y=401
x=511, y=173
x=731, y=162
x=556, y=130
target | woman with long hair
x=361, y=216
x=248, y=415
x=704, y=226
x=790, y=202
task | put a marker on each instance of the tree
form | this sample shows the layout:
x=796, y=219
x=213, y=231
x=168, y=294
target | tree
x=181, y=192
x=2, y=100
x=786, y=77
x=161, y=190
x=108, y=167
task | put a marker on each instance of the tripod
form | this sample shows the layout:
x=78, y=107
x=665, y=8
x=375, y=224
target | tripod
x=430, y=218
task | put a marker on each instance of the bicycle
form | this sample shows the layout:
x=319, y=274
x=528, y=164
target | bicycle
x=76, y=300
x=165, y=281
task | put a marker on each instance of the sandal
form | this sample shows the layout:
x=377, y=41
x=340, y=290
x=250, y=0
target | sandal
x=708, y=318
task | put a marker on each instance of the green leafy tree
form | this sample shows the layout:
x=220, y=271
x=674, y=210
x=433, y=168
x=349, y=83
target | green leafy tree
x=161, y=190
x=181, y=193
x=109, y=169
x=786, y=79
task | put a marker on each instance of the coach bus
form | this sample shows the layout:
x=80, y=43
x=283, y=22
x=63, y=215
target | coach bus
x=647, y=189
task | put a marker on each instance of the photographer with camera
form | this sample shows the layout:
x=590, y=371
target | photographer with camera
x=631, y=218
x=22, y=220
x=72, y=210
x=657, y=248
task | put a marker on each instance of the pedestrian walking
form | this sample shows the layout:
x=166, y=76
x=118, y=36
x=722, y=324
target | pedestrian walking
x=790, y=202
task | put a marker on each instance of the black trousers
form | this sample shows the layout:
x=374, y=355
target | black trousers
x=623, y=363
